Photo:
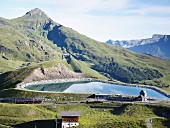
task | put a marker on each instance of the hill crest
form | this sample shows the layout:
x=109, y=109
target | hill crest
x=35, y=11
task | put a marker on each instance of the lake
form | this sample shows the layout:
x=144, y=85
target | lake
x=96, y=87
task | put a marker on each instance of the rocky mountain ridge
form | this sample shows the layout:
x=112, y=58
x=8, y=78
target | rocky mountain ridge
x=137, y=42
x=158, y=45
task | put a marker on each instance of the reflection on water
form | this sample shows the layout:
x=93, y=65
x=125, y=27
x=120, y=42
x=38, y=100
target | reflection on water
x=57, y=87
x=96, y=87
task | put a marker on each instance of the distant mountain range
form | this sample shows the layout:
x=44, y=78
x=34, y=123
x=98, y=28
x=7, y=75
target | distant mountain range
x=158, y=45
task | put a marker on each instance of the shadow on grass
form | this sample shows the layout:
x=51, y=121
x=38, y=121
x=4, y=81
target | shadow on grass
x=162, y=111
x=119, y=110
x=39, y=124
x=161, y=122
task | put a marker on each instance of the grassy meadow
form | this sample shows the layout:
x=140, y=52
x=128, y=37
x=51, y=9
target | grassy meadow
x=160, y=123
x=121, y=116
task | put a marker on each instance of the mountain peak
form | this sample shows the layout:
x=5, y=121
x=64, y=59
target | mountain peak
x=34, y=19
x=36, y=11
x=157, y=36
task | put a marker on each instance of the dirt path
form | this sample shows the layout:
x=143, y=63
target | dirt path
x=149, y=121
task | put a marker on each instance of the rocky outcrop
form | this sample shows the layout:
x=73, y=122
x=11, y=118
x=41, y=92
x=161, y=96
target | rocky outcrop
x=133, y=43
x=158, y=45
x=35, y=11
x=3, y=23
x=57, y=72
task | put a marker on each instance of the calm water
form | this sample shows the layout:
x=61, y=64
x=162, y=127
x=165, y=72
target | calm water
x=98, y=87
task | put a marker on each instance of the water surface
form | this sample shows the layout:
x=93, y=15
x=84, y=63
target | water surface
x=96, y=87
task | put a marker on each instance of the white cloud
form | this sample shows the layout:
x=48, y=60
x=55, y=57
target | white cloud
x=101, y=19
x=78, y=6
x=103, y=28
x=150, y=10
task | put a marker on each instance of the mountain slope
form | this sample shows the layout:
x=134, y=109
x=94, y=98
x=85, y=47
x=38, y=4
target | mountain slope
x=23, y=43
x=89, y=50
x=57, y=69
x=158, y=45
x=86, y=53
x=160, y=48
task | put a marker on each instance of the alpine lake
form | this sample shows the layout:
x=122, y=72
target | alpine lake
x=96, y=87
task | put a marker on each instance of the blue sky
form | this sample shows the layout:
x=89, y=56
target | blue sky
x=100, y=19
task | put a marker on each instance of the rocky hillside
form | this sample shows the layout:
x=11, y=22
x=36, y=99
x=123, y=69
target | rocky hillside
x=59, y=71
x=35, y=38
x=158, y=45
x=159, y=48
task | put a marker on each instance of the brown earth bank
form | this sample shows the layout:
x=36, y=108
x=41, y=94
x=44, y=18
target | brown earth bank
x=57, y=72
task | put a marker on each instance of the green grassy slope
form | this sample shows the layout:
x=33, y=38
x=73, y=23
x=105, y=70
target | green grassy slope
x=24, y=44
x=160, y=123
x=7, y=65
x=31, y=94
x=11, y=78
x=25, y=41
x=122, y=116
x=82, y=67
x=14, y=114
x=19, y=46
x=97, y=53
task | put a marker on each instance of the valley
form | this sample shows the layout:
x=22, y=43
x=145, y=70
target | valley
x=37, y=38
x=34, y=49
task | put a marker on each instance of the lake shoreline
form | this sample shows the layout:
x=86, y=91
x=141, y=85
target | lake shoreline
x=137, y=85
x=23, y=85
x=42, y=82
